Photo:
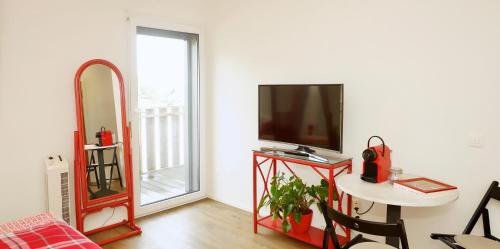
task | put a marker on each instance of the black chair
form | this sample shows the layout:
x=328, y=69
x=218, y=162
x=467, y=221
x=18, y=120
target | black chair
x=114, y=164
x=450, y=240
x=363, y=226
x=92, y=167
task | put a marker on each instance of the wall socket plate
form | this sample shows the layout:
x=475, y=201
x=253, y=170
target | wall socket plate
x=356, y=203
x=476, y=140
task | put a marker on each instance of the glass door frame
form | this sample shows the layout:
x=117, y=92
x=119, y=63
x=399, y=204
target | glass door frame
x=197, y=122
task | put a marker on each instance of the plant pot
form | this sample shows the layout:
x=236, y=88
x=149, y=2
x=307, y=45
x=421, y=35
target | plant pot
x=277, y=222
x=305, y=222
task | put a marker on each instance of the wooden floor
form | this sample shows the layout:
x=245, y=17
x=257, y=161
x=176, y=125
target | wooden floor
x=162, y=184
x=205, y=224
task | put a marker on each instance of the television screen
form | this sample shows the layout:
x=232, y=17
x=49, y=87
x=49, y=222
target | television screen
x=309, y=115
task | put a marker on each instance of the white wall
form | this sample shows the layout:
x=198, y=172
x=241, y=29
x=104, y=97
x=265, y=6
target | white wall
x=42, y=44
x=422, y=74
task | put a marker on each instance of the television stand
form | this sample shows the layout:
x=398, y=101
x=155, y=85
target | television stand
x=267, y=164
x=305, y=149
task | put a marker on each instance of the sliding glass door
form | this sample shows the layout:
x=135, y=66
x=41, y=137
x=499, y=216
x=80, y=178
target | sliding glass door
x=166, y=113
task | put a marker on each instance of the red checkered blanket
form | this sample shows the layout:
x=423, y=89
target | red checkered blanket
x=50, y=235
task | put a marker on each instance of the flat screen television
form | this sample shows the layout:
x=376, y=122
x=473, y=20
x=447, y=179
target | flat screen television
x=304, y=115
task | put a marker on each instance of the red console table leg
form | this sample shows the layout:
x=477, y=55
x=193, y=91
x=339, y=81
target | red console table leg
x=330, y=187
x=255, y=165
x=349, y=205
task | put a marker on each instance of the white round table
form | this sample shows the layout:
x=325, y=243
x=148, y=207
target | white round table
x=393, y=197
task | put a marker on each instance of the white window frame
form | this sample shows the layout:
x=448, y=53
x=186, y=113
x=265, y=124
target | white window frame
x=158, y=23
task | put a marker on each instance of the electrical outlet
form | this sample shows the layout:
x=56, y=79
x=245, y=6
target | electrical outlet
x=356, y=203
x=476, y=140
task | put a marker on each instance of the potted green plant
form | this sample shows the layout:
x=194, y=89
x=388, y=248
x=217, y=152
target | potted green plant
x=290, y=200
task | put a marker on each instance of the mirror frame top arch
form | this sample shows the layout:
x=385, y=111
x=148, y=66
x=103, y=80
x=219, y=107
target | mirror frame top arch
x=83, y=205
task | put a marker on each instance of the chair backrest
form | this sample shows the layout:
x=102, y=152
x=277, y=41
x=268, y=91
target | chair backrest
x=493, y=192
x=363, y=226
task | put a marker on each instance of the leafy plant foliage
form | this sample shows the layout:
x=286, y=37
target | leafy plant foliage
x=290, y=196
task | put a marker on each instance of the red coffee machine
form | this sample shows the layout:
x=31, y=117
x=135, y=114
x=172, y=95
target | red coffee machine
x=377, y=162
x=105, y=137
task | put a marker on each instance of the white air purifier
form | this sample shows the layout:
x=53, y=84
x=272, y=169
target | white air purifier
x=57, y=178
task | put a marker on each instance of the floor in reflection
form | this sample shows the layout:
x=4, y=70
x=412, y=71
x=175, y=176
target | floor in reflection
x=162, y=184
x=115, y=186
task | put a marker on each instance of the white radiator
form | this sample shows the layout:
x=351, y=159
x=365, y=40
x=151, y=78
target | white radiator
x=57, y=178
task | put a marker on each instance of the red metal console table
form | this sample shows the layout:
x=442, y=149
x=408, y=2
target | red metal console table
x=334, y=167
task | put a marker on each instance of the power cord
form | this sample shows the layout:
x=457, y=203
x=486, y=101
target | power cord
x=111, y=216
x=356, y=209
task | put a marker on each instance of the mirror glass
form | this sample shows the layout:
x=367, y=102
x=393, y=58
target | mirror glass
x=101, y=104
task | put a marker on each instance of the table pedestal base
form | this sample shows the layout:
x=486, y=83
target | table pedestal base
x=393, y=215
x=103, y=193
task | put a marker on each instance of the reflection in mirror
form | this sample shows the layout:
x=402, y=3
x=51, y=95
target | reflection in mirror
x=100, y=93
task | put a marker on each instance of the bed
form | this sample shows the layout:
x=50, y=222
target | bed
x=42, y=231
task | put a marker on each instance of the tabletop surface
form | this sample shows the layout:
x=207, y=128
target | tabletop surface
x=96, y=147
x=386, y=193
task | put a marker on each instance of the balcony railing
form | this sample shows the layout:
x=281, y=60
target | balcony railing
x=162, y=137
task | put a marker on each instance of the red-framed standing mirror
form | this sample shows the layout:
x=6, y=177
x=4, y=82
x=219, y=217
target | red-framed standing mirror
x=103, y=164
